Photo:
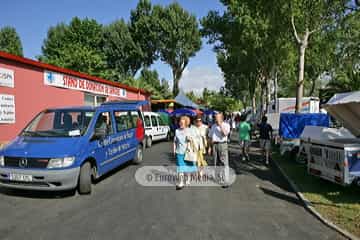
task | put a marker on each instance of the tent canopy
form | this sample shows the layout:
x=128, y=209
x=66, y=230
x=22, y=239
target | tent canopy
x=324, y=133
x=209, y=112
x=184, y=111
x=345, y=107
x=183, y=100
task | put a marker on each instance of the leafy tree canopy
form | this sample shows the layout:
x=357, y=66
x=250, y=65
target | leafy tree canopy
x=10, y=41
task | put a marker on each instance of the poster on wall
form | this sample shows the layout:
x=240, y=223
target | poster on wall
x=6, y=77
x=7, y=108
x=66, y=81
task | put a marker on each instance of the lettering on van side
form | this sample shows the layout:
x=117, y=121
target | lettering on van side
x=110, y=140
x=117, y=149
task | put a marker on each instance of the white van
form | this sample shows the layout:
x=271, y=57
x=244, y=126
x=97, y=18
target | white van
x=155, y=128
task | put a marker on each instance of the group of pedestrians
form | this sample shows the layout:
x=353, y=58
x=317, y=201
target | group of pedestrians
x=193, y=140
x=265, y=136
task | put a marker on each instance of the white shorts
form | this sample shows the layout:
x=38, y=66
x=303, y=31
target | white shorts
x=265, y=144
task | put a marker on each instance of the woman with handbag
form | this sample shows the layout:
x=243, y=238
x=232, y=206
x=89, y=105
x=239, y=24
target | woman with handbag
x=184, y=150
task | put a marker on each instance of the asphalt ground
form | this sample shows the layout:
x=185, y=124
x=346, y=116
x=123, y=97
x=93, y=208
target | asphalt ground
x=259, y=205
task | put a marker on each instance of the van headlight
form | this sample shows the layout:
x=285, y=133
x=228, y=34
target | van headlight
x=2, y=161
x=61, y=162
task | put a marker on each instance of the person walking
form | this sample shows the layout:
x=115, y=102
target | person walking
x=183, y=141
x=266, y=134
x=202, y=132
x=218, y=135
x=244, y=130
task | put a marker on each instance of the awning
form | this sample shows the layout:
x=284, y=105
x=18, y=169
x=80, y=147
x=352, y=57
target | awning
x=345, y=107
x=183, y=100
x=184, y=112
x=163, y=101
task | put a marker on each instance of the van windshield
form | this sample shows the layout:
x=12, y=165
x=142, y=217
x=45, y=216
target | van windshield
x=59, y=123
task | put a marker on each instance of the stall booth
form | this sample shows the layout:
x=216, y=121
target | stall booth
x=28, y=87
x=334, y=154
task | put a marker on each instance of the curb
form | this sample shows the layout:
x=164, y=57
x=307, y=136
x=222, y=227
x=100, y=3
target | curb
x=311, y=209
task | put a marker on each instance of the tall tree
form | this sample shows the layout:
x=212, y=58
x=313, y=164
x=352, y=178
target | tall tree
x=345, y=74
x=179, y=38
x=75, y=46
x=10, y=41
x=309, y=17
x=123, y=55
x=142, y=29
x=243, y=38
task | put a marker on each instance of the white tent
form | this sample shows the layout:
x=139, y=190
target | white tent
x=345, y=107
x=324, y=133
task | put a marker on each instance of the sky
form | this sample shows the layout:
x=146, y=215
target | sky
x=33, y=18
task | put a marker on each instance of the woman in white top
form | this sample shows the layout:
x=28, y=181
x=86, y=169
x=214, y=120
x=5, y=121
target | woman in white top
x=184, y=135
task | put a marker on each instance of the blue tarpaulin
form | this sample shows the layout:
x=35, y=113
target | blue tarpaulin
x=209, y=112
x=292, y=125
x=183, y=100
x=183, y=111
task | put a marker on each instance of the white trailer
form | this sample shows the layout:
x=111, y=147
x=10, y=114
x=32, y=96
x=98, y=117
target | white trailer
x=287, y=105
x=334, y=154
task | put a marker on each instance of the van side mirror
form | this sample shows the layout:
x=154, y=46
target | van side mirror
x=99, y=133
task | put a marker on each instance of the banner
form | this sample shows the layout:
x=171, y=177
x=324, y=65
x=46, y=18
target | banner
x=7, y=108
x=6, y=78
x=66, y=81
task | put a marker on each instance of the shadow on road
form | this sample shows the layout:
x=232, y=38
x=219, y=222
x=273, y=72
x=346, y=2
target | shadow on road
x=281, y=196
x=37, y=194
x=255, y=166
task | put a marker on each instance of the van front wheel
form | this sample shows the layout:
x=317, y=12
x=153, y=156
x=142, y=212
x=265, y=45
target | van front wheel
x=84, y=186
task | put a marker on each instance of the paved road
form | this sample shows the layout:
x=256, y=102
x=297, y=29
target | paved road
x=259, y=205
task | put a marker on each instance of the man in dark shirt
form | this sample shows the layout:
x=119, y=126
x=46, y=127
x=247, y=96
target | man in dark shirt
x=265, y=138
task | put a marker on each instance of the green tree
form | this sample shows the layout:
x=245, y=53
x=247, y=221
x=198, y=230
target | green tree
x=345, y=74
x=192, y=96
x=179, y=38
x=165, y=89
x=143, y=31
x=309, y=17
x=159, y=88
x=75, y=46
x=245, y=49
x=150, y=77
x=123, y=56
x=149, y=80
x=10, y=41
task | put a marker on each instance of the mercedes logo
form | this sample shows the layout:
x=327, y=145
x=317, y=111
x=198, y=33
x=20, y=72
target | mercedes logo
x=23, y=162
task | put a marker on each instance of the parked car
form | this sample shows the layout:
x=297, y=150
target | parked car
x=155, y=128
x=67, y=148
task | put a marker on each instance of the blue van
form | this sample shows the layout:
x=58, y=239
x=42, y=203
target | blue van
x=68, y=148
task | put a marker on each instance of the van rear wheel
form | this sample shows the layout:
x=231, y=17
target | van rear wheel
x=84, y=186
x=139, y=155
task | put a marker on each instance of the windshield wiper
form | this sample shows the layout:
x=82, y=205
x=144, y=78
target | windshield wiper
x=30, y=133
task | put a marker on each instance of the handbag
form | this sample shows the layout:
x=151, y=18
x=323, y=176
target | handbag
x=190, y=154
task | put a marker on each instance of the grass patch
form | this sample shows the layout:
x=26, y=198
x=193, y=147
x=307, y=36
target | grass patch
x=340, y=205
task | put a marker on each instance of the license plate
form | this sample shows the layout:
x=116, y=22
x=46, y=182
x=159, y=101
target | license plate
x=20, y=177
